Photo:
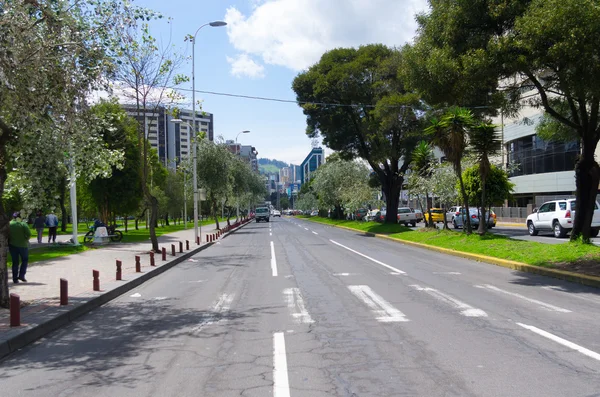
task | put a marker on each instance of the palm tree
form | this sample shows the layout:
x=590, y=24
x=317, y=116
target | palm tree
x=422, y=163
x=485, y=142
x=450, y=135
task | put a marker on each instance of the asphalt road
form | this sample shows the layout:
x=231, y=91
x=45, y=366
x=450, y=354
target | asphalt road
x=293, y=308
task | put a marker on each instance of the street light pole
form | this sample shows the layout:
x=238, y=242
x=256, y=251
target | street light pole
x=194, y=157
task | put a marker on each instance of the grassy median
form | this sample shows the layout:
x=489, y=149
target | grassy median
x=571, y=256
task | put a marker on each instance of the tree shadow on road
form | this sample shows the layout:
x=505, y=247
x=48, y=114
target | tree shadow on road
x=103, y=342
x=536, y=280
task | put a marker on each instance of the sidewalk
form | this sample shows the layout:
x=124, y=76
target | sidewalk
x=40, y=296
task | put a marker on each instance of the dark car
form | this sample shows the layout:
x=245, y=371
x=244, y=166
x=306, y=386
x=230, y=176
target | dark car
x=360, y=214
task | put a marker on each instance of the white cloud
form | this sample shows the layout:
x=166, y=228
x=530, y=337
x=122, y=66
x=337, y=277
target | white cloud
x=243, y=65
x=295, y=33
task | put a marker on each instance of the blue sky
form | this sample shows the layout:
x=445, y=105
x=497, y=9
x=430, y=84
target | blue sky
x=265, y=45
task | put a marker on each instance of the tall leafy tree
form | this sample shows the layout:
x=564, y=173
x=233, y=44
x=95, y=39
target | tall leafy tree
x=450, y=134
x=548, y=47
x=422, y=166
x=52, y=54
x=354, y=99
x=145, y=74
x=485, y=142
x=121, y=193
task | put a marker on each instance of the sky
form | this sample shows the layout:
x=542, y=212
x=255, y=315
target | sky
x=264, y=46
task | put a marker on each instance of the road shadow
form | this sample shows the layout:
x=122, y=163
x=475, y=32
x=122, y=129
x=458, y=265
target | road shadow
x=222, y=262
x=102, y=342
x=536, y=280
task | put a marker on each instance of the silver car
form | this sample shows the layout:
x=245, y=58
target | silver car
x=459, y=220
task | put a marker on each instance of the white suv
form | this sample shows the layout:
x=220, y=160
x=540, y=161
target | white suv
x=558, y=216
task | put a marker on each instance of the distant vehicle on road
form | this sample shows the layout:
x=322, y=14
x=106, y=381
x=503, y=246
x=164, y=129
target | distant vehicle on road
x=558, y=216
x=262, y=214
x=407, y=216
x=276, y=213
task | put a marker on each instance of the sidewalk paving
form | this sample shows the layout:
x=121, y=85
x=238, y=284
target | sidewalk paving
x=40, y=296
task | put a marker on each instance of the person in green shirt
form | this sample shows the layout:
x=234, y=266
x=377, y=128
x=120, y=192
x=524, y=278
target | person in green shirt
x=18, y=245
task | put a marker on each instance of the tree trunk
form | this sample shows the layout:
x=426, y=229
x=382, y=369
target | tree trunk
x=126, y=223
x=61, y=202
x=153, y=221
x=391, y=189
x=482, y=220
x=4, y=221
x=445, y=220
x=467, y=225
x=215, y=213
x=167, y=219
x=430, y=222
x=587, y=177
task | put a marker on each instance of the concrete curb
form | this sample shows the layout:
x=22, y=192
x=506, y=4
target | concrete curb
x=590, y=281
x=67, y=315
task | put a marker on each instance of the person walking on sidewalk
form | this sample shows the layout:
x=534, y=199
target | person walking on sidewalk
x=52, y=223
x=18, y=246
x=39, y=223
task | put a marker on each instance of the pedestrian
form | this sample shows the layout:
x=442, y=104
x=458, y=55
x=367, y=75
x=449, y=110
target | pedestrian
x=18, y=246
x=38, y=223
x=52, y=223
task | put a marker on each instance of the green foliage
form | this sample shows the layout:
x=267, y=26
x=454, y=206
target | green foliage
x=370, y=115
x=121, y=193
x=342, y=185
x=497, y=185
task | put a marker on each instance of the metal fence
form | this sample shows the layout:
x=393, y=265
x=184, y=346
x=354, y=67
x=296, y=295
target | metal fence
x=511, y=212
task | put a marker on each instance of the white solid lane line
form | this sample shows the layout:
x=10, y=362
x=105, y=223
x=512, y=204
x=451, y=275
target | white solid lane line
x=296, y=305
x=281, y=385
x=369, y=258
x=466, y=309
x=562, y=341
x=537, y=302
x=315, y=232
x=221, y=306
x=345, y=274
x=306, y=229
x=385, y=312
x=586, y=296
x=273, y=261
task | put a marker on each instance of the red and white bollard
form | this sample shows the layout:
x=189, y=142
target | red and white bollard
x=198, y=240
x=138, y=265
x=173, y=250
x=64, y=292
x=180, y=246
x=164, y=254
x=152, y=259
x=15, y=310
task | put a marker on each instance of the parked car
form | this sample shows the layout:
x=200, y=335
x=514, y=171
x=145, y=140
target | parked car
x=558, y=216
x=418, y=214
x=360, y=214
x=437, y=214
x=380, y=216
x=371, y=215
x=276, y=213
x=407, y=216
x=314, y=213
x=475, y=216
x=452, y=212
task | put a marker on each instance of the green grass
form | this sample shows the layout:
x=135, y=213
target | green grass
x=48, y=252
x=530, y=252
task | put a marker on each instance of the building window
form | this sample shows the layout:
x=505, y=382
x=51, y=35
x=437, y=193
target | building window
x=532, y=155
